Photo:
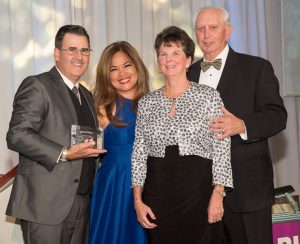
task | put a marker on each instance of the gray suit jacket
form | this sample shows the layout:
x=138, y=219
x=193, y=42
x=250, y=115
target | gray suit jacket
x=43, y=191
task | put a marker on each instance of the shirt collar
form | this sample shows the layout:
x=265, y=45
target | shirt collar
x=68, y=82
x=222, y=55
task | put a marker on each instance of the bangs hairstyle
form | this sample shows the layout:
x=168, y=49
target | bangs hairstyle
x=105, y=95
x=174, y=34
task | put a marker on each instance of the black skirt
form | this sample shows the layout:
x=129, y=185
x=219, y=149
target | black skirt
x=178, y=189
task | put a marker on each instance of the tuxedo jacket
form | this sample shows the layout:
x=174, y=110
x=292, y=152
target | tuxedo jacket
x=250, y=90
x=43, y=112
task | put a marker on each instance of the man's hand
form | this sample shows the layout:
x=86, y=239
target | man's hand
x=228, y=125
x=83, y=150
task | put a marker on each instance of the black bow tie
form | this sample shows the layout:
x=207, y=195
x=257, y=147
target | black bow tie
x=216, y=63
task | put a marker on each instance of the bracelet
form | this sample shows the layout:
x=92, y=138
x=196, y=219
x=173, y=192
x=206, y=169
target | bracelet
x=222, y=193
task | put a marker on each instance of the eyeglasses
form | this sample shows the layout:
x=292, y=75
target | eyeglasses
x=74, y=51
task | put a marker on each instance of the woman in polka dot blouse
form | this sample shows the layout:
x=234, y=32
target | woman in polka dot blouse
x=179, y=168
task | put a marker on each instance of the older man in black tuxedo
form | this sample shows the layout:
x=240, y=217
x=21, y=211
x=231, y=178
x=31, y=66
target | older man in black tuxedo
x=253, y=112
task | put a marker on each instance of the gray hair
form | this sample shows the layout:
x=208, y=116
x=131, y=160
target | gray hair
x=222, y=11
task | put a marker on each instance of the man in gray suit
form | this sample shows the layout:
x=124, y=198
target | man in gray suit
x=53, y=183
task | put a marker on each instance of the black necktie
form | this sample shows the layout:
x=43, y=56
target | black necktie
x=76, y=92
x=216, y=64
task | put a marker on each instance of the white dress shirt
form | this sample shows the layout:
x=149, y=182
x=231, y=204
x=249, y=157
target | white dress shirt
x=212, y=76
x=69, y=83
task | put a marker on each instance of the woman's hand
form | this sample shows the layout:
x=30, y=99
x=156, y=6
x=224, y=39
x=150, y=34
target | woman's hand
x=142, y=210
x=215, y=207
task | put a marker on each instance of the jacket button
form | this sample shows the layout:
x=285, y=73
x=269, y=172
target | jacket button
x=76, y=180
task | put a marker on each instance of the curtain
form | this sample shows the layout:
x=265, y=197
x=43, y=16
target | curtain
x=284, y=146
x=28, y=28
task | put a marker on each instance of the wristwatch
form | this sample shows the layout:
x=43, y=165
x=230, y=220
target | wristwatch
x=64, y=153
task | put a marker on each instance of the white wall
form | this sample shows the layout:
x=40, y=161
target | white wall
x=10, y=233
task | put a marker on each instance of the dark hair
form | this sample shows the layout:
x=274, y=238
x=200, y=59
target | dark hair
x=105, y=94
x=73, y=29
x=173, y=34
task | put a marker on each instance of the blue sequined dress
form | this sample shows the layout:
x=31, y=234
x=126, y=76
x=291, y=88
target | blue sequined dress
x=112, y=215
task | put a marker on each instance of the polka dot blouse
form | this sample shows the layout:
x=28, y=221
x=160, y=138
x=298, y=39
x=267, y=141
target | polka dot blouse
x=189, y=129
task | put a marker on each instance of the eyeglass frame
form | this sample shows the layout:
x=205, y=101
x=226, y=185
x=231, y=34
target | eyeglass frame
x=74, y=50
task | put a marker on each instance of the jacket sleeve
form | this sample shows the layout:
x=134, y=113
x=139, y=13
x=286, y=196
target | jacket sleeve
x=140, y=150
x=29, y=111
x=270, y=115
x=221, y=165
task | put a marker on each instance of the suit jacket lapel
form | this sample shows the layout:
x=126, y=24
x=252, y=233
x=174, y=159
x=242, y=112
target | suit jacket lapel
x=229, y=72
x=62, y=90
x=194, y=73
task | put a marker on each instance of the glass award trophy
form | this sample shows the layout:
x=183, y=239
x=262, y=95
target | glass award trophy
x=81, y=133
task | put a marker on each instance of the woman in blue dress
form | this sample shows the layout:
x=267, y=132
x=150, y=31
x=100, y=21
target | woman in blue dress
x=122, y=79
